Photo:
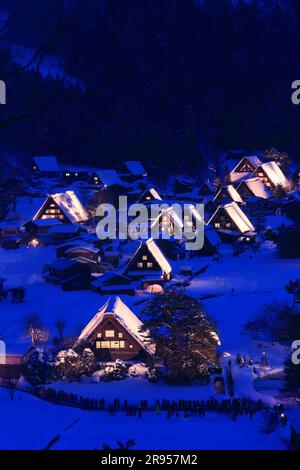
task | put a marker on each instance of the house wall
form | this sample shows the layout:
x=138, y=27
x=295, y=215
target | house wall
x=52, y=211
x=112, y=340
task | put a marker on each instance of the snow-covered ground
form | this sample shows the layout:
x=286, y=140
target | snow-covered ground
x=29, y=423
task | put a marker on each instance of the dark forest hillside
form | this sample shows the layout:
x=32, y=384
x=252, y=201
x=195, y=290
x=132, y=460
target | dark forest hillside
x=157, y=80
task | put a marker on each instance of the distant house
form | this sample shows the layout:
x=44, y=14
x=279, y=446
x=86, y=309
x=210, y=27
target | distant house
x=149, y=195
x=40, y=226
x=9, y=228
x=227, y=194
x=271, y=175
x=148, y=261
x=135, y=169
x=113, y=283
x=67, y=274
x=244, y=169
x=82, y=253
x=230, y=217
x=114, y=333
x=46, y=164
x=247, y=164
x=65, y=207
x=168, y=222
x=69, y=175
x=253, y=187
x=107, y=178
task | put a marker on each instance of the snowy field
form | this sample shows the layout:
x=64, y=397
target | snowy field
x=78, y=429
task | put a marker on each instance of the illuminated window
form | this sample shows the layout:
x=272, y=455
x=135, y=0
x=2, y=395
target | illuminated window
x=130, y=345
x=217, y=225
x=144, y=257
x=99, y=335
x=149, y=265
x=139, y=265
x=109, y=333
x=120, y=335
x=148, y=198
x=103, y=344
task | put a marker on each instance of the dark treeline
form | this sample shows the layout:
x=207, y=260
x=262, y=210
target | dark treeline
x=163, y=81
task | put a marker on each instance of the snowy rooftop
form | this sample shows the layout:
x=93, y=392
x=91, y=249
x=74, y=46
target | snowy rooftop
x=46, y=163
x=236, y=214
x=70, y=205
x=136, y=168
x=115, y=306
x=257, y=188
x=252, y=159
x=275, y=174
x=232, y=193
x=110, y=178
x=159, y=256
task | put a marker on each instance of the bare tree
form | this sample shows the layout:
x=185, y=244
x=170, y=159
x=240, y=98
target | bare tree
x=34, y=328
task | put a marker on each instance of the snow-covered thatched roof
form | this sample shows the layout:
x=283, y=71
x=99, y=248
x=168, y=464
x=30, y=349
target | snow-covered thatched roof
x=171, y=215
x=110, y=178
x=69, y=204
x=256, y=187
x=159, y=256
x=231, y=192
x=122, y=313
x=46, y=163
x=275, y=174
x=237, y=216
x=252, y=159
x=136, y=168
x=153, y=193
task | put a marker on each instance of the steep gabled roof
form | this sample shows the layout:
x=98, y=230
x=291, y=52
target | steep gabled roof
x=236, y=214
x=275, y=174
x=116, y=307
x=136, y=168
x=69, y=204
x=159, y=256
x=153, y=193
x=254, y=160
x=156, y=253
x=171, y=214
x=256, y=187
x=46, y=163
x=231, y=192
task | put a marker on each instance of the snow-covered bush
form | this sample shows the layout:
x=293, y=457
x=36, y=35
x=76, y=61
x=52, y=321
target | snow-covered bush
x=138, y=370
x=39, y=369
x=69, y=364
x=115, y=371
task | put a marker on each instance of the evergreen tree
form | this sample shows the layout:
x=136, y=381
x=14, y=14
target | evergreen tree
x=184, y=336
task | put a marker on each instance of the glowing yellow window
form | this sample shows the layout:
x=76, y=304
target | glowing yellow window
x=109, y=333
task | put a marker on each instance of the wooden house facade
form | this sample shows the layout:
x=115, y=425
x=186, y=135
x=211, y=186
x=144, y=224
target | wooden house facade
x=228, y=194
x=271, y=176
x=148, y=261
x=65, y=207
x=114, y=333
x=247, y=164
x=230, y=217
x=68, y=274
